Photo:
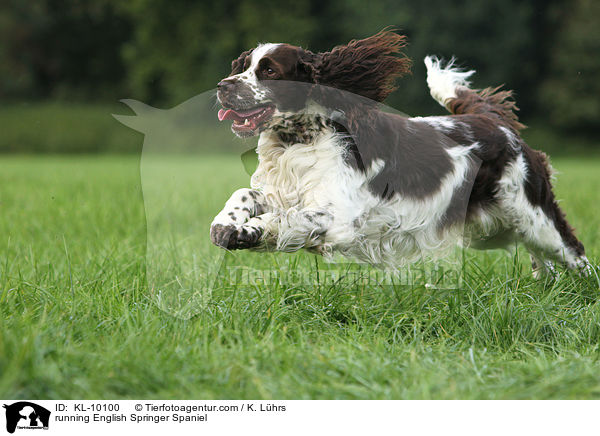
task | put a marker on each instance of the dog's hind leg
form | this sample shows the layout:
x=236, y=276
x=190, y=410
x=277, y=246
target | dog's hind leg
x=526, y=197
x=549, y=239
x=546, y=246
x=540, y=267
x=552, y=236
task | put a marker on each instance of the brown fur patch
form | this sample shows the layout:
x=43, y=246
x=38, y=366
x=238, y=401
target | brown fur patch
x=368, y=67
x=489, y=101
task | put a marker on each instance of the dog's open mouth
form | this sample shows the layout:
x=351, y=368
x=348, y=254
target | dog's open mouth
x=247, y=120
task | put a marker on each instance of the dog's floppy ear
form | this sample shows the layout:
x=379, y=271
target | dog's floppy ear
x=306, y=70
x=367, y=67
x=237, y=65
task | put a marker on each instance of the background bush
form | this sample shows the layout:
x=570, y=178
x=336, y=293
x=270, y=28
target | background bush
x=58, y=127
x=165, y=51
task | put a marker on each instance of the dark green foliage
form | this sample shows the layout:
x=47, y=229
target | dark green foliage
x=61, y=48
x=164, y=52
x=182, y=48
x=572, y=91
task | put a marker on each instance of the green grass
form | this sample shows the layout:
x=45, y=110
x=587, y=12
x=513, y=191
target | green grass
x=79, y=315
x=52, y=127
x=55, y=127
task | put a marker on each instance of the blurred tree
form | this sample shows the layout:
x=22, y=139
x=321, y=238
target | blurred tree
x=181, y=48
x=570, y=96
x=50, y=48
x=165, y=51
x=497, y=38
x=501, y=39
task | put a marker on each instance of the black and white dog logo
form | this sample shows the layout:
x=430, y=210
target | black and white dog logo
x=26, y=415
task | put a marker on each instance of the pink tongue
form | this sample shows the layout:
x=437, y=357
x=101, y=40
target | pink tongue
x=230, y=114
x=223, y=113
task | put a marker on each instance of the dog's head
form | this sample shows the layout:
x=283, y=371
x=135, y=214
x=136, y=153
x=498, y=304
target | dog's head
x=273, y=81
x=261, y=85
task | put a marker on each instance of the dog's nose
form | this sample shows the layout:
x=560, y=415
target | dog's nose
x=224, y=84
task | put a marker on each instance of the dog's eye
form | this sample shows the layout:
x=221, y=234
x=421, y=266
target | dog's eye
x=269, y=72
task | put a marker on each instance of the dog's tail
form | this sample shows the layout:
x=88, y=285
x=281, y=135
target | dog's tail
x=449, y=86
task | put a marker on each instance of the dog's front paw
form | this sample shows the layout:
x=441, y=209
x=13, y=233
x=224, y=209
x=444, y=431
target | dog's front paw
x=235, y=238
x=222, y=235
x=247, y=237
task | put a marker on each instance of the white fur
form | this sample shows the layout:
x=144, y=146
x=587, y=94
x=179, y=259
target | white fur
x=443, y=82
x=308, y=178
x=305, y=178
x=443, y=124
x=233, y=213
x=512, y=139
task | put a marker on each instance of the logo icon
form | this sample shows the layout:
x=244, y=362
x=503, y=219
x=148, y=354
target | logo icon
x=26, y=415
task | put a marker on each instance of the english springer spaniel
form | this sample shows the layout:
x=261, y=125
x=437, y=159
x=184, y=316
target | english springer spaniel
x=336, y=173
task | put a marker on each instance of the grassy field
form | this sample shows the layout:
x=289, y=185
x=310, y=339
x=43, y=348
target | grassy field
x=79, y=316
